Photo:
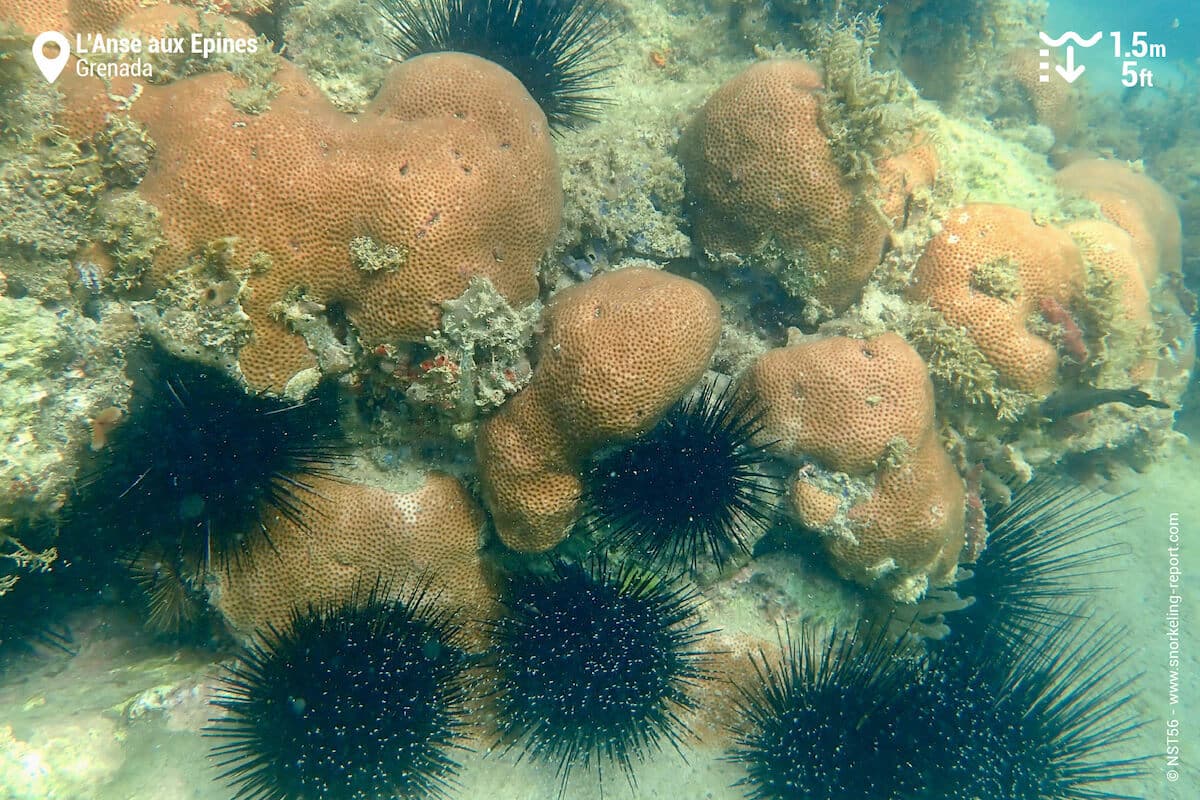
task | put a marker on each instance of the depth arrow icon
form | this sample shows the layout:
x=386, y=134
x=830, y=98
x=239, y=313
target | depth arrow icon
x=1070, y=72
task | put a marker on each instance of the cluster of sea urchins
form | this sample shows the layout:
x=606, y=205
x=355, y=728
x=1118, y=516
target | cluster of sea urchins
x=594, y=664
x=1026, y=703
x=366, y=700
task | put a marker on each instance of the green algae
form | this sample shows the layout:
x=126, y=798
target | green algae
x=48, y=191
x=33, y=347
x=980, y=166
x=866, y=114
x=337, y=43
x=55, y=379
x=795, y=271
x=131, y=230
x=1116, y=342
x=125, y=150
x=16, y=558
x=998, y=278
x=29, y=103
x=58, y=199
x=59, y=366
x=623, y=187
x=196, y=315
x=959, y=369
x=948, y=45
x=256, y=69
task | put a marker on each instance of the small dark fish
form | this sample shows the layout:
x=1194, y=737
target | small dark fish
x=1074, y=401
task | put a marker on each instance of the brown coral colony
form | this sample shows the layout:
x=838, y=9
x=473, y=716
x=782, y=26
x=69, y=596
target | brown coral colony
x=761, y=170
x=450, y=170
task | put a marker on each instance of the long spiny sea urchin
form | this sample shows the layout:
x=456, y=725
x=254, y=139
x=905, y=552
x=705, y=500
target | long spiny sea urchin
x=555, y=48
x=694, y=486
x=357, y=701
x=596, y=665
x=199, y=466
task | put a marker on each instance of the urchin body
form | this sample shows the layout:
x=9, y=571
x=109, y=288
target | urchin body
x=1051, y=722
x=821, y=722
x=693, y=487
x=357, y=702
x=596, y=665
x=199, y=465
x=1040, y=547
x=864, y=717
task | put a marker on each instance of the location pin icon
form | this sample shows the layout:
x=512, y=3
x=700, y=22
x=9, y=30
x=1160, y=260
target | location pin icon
x=51, y=66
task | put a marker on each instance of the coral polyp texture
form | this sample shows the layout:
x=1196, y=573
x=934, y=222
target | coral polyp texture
x=788, y=296
x=1136, y=204
x=990, y=271
x=616, y=353
x=1055, y=104
x=357, y=534
x=762, y=171
x=35, y=16
x=874, y=480
x=448, y=174
x=1136, y=250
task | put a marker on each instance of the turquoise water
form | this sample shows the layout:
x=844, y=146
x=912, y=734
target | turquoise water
x=775, y=311
x=1170, y=24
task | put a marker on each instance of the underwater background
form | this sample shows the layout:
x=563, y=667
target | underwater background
x=598, y=398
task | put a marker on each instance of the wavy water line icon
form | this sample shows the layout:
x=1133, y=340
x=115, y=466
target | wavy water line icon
x=1072, y=36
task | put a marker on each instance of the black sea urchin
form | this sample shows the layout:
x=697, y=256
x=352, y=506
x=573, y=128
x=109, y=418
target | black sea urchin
x=822, y=722
x=553, y=47
x=198, y=465
x=693, y=485
x=357, y=702
x=1040, y=548
x=1043, y=725
x=595, y=665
